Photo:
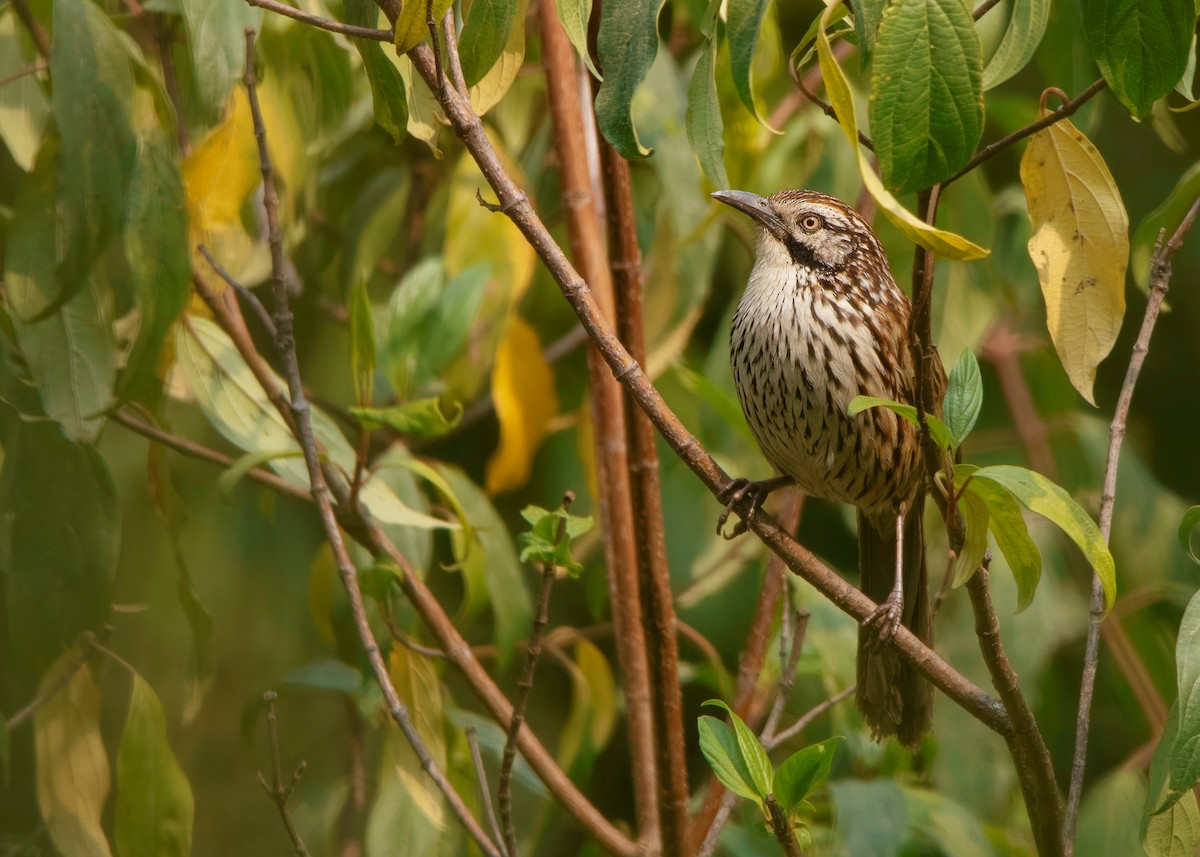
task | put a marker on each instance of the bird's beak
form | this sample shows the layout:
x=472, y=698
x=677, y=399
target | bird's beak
x=757, y=207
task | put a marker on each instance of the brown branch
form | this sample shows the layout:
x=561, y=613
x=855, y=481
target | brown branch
x=805, y=720
x=1160, y=281
x=300, y=415
x=36, y=68
x=983, y=8
x=485, y=796
x=992, y=149
x=276, y=789
x=782, y=828
x=244, y=293
x=325, y=23
x=586, y=236
x=533, y=651
x=34, y=27
x=844, y=595
x=649, y=528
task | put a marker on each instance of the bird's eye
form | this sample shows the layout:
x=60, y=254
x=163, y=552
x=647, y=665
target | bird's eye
x=810, y=223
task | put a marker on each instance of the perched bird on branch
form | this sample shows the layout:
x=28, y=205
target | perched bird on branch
x=820, y=322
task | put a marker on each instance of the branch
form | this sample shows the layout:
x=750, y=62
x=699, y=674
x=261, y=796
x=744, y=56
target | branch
x=325, y=23
x=485, y=796
x=276, y=790
x=36, y=68
x=36, y=32
x=299, y=409
x=1160, y=281
x=993, y=149
x=586, y=234
x=782, y=828
x=533, y=651
x=61, y=680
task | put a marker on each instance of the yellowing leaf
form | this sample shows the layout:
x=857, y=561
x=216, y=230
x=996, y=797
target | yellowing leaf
x=222, y=171
x=72, y=767
x=944, y=243
x=523, y=390
x=1080, y=246
x=487, y=93
x=411, y=26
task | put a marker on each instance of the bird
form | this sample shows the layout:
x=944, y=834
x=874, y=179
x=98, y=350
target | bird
x=821, y=320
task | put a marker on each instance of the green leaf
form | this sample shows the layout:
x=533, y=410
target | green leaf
x=837, y=87
x=867, y=15
x=1141, y=46
x=70, y=353
x=1038, y=494
x=964, y=398
x=541, y=542
x=937, y=428
x=420, y=417
x=926, y=103
x=362, y=344
x=705, y=129
x=156, y=246
x=575, y=16
x=1185, y=760
x=154, y=808
x=1026, y=26
x=1171, y=820
x=743, y=21
x=1012, y=536
x=244, y=464
x=484, y=36
x=975, y=517
x=719, y=744
x=1187, y=531
x=72, y=767
x=626, y=46
x=60, y=528
x=326, y=674
x=387, y=86
x=804, y=772
x=216, y=32
x=1167, y=217
x=412, y=26
x=1110, y=815
x=750, y=766
x=1159, y=795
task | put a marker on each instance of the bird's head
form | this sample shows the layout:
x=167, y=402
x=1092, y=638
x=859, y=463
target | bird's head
x=810, y=229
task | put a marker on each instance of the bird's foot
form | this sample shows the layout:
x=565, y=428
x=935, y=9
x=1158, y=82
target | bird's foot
x=741, y=489
x=885, y=618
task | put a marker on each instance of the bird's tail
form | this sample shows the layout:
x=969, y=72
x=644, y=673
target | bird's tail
x=893, y=696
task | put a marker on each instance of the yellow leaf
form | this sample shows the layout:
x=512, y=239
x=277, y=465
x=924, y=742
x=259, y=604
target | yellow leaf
x=940, y=241
x=222, y=171
x=411, y=25
x=73, y=776
x=1080, y=246
x=487, y=93
x=523, y=390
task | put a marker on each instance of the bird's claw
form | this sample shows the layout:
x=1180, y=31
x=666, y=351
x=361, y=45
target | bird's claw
x=885, y=618
x=738, y=490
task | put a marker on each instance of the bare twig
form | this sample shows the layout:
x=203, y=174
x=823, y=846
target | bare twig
x=485, y=795
x=782, y=828
x=1160, y=281
x=325, y=23
x=787, y=666
x=805, y=720
x=277, y=790
x=533, y=651
x=300, y=417
x=586, y=234
x=36, y=68
x=244, y=293
x=983, y=8
x=36, y=32
x=452, y=59
x=993, y=149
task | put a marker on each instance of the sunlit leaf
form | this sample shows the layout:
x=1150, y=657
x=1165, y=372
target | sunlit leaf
x=24, y=108
x=926, y=102
x=1026, y=26
x=1167, y=217
x=154, y=808
x=60, y=528
x=1080, y=247
x=575, y=16
x=937, y=428
x=964, y=397
x=72, y=768
x=743, y=21
x=493, y=85
x=484, y=34
x=1038, y=494
x=627, y=44
x=412, y=25
x=420, y=417
x=944, y=243
x=803, y=772
x=1140, y=46
x=387, y=86
x=744, y=759
x=1187, y=532
x=523, y=390
x=705, y=128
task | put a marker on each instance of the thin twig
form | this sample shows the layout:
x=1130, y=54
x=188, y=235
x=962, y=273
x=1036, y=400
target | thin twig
x=279, y=792
x=244, y=293
x=300, y=413
x=452, y=58
x=525, y=686
x=34, y=27
x=805, y=720
x=787, y=668
x=485, y=795
x=36, y=68
x=325, y=23
x=1160, y=281
x=983, y=8
x=993, y=149
x=67, y=672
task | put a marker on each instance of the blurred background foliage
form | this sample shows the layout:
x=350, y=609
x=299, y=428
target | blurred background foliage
x=215, y=589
